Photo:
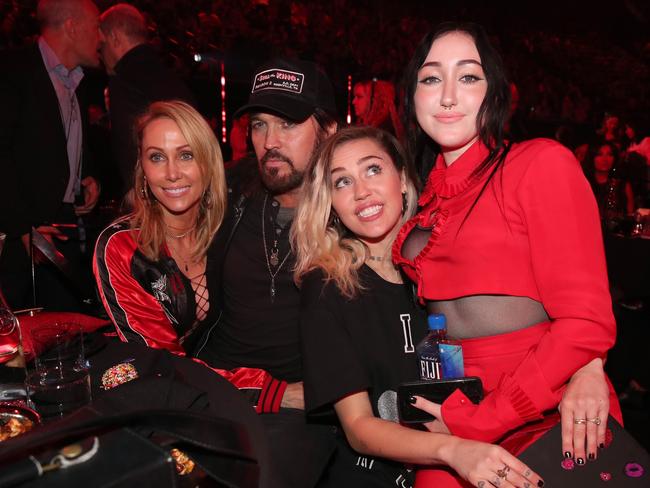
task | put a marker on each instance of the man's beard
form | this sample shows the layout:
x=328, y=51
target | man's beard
x=274, y=182
x=279, y=185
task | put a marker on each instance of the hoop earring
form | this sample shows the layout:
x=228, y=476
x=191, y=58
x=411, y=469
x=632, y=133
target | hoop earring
x=206, y=200
x=405, y=203
x=144, y=191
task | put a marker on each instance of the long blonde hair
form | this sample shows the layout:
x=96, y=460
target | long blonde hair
x=318, y=238
x=147, y=215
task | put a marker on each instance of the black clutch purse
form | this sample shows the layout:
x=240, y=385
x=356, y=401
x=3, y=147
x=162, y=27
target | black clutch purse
x=131, y=449
x=622, y=463
x=435, y=391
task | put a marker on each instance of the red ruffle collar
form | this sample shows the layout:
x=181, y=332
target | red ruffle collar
x=447, y=181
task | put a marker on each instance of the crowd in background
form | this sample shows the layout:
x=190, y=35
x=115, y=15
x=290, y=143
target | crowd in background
x=569, y=68
x=568, y=71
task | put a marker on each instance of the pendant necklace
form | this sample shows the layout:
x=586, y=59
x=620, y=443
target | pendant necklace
x=273, y=258
x=186, y=264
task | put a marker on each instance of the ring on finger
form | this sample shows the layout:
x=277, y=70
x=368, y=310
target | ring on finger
x=595, y=420
x=581, y=421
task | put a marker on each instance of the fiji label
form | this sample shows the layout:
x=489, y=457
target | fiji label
x=430, y=368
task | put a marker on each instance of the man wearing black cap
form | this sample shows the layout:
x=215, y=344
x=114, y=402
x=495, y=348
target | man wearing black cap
x=292, y=109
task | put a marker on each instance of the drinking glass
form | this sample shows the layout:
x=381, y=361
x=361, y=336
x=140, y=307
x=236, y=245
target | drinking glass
x=57, y=380
x=9, y=335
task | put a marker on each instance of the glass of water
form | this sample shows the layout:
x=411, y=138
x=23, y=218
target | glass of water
x=57, y=380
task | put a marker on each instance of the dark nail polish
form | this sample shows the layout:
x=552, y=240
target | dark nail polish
x=412, y=399
x=580, y=461
x=601, y=445
x=540, y=483
x=568, y=454
x=591, y=456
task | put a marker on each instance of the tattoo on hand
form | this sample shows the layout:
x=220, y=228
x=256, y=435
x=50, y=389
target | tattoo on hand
x=526, y=484
x=528, y=473
x=496, y=481
x=481, y=484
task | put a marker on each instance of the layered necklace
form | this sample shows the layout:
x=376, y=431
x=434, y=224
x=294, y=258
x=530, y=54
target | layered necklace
x=185, y=258
x=178, y=236
x=173, y=238
x=272, y=256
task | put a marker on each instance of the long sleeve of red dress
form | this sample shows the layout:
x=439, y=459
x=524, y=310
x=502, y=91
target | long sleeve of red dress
x=568, y=265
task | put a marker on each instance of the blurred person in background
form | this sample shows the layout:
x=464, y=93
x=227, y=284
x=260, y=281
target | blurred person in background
x=612, y=189
x=44, y=155
x=374, y=105
x=138, y=77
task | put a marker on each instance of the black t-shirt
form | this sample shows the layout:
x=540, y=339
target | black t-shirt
x=367, y=343
x=255, y=330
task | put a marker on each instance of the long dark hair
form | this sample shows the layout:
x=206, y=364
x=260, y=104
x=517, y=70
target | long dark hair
x=493, y=113
x=589, y=165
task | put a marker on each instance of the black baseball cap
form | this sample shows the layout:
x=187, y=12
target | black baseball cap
x=291, y=88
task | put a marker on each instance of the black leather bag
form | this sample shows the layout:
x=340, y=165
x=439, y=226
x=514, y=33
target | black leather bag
x=132, y=449
x=623, y=463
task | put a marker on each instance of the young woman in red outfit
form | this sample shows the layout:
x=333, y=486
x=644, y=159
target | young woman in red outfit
x=507, y=244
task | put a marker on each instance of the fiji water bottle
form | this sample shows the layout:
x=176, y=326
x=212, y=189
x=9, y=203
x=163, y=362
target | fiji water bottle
x=439, y=357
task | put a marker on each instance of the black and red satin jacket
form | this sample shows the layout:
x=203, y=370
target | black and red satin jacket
x=153, y=303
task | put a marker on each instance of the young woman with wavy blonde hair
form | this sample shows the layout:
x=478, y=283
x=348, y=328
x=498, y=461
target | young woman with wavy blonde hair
x=359, y=324
x=319, y=237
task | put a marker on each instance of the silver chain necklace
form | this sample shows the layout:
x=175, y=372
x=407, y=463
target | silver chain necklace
x=375, y=258
x=273, y=259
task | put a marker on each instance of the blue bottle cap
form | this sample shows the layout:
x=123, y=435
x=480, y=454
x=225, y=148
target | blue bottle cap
x=437, y=321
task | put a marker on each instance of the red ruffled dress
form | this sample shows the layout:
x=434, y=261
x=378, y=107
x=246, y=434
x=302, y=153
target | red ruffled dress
x=535, y=233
